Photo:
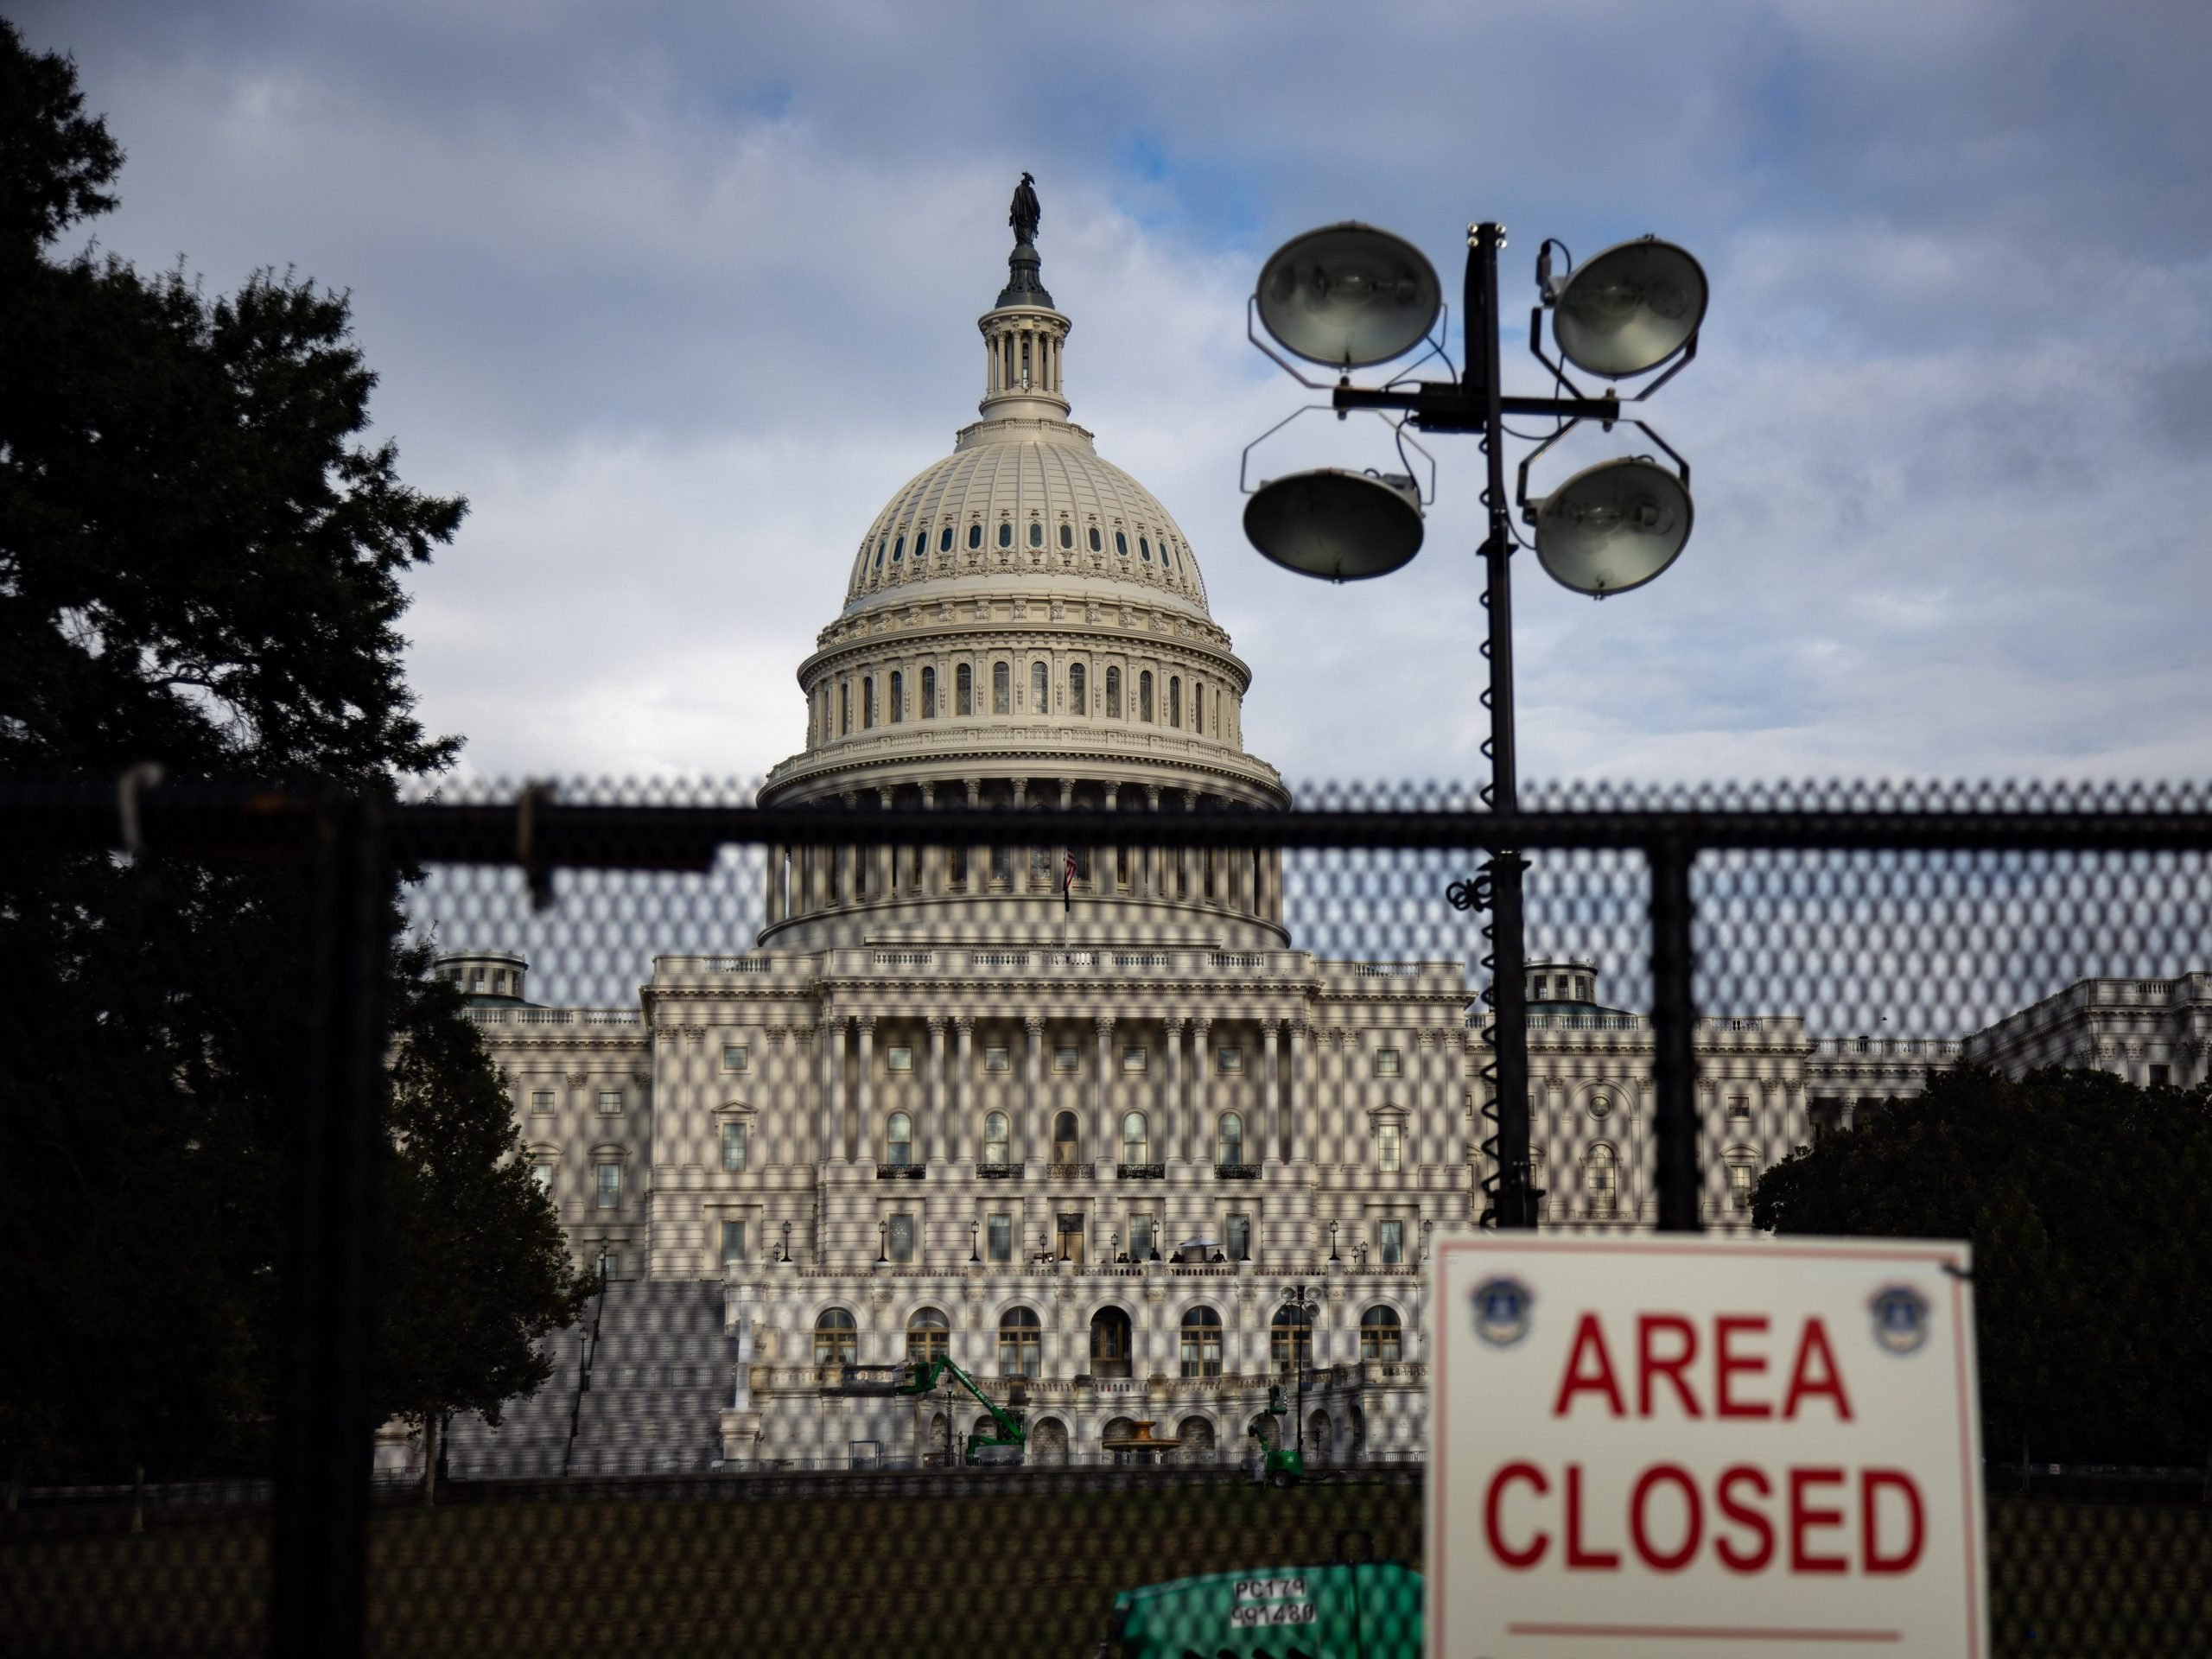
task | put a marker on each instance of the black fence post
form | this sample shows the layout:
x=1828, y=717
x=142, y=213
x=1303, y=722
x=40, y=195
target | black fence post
x=324, y=1435
x=1674, y=1020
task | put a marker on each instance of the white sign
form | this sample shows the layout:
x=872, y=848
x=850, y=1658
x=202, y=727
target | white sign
x=1674, y=1448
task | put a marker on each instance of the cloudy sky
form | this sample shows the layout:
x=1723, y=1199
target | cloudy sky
x=678, y=293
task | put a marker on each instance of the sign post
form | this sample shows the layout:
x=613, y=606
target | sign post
x=1663, y=1447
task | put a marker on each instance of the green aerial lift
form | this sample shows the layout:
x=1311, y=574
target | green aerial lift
x=1004, y=1443
x=1279, y=1462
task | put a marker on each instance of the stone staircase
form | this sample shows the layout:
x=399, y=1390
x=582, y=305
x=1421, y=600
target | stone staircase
x=655, y=1364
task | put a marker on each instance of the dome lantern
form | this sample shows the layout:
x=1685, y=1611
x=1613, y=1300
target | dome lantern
x=1023, y=333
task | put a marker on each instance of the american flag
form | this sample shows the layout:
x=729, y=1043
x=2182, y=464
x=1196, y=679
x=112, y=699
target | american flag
x=1067, y=881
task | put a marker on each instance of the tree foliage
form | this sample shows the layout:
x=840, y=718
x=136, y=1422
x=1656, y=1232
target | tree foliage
x=2088, y=1201
x=201, y=566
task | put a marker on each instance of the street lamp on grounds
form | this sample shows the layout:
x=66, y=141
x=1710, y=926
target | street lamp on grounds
x=1352, y=296
x=1301, y=1302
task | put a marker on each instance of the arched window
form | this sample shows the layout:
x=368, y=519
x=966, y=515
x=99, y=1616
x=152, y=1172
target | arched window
x=1113, y=693
x=1601, y=1179
x=899, y=550
x=975, y=535
x=1290, y=1340
x=1038, y=702
x=1167, y=555
x=964, y=689
x=929, y=1334
x=1232, y=1139
x=1121, y=545
x=1381, y=1337
x=1096, y=545
x=1067, y=534
x=899, y=1141
x=929, y=694
x=1112, y=1341
x=1036, y=533
x=1201, y=1342
x=1144, y=546
x=867, y=701
x=1020, y=1346
x=1006, y=532
x=1135, y=1141
x=1067, y=1141
x=879, y=557
x=1198, y=706
x=1001, y=689
x=1175, y=700
x=994, y=1141
x=945, y=540
x=1144, y=696
x=898, y=696
x=836, y=1339
x=844, y=708
x=1077, y=703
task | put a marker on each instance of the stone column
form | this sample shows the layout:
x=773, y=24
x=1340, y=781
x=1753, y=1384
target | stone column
x=1426, y=1105
x=932, y=857
x=940, y=1142
x=1199, y=1136
x=1102, y=1112
x=884, y=883
x=1150, y=885
x=1270, y=1063
x=833, y=1087
x=775, y=896
x=864, y=1093
x=1171, y=1118
x=1101, y=859
x=1033, y=1125
x=1018, y=861
x=979, y=857
x=1302, y=1111
x=963, y=1097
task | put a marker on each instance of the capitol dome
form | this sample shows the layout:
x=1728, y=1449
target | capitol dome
x=1024, y=623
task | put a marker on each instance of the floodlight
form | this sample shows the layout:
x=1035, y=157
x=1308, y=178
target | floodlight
x=1629, y=309
x=1348, y=296
x=1339, y=525
x=1613, y=527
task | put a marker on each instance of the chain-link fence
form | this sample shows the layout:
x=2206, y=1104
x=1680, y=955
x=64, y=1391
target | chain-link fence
x=973, y=1222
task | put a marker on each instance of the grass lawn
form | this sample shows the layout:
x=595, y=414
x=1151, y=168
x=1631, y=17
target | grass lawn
x=1000, y=1574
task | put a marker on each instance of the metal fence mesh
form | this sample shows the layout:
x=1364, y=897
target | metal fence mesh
x=1090, y=1104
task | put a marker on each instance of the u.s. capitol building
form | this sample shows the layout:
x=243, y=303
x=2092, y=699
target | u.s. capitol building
x=1079, y=1134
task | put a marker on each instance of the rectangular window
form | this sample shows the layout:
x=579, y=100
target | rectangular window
x=541, y=1177
x=541, y=1100
x=1240, y=1238
x=994, y=1060
x=1229, y=1062
x=899, y=1238
x=899, y=1060
x=1139, y=1237
x=998, y=1240
x=610, y=1102
x=733, y=1146
x=610, y=1185
x=2161, y=1074
x=1132, y=1060
x=1386, y=1063
x=1390, y=1241
x=1391, y=1148
x=1739, y=1108
x=610, y=1265
x=1739, y=1185
x=1067, y=1059
x=736, y=1058
x=733, y=1242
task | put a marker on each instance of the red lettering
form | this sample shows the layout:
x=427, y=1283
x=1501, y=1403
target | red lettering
x=1727, y=1363
x=1518, y=1559
x=1591, y=1340
x=1802, y=1382
x=1692, y=1526
x=1577, y=1557
x=1650, y=1364
x=1744, y=1561
x=1871, y=1482
x=1803, y=1517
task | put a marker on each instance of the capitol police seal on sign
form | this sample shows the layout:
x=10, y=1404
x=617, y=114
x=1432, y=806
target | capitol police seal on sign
x=1900, y=1318
x=1501, y=1309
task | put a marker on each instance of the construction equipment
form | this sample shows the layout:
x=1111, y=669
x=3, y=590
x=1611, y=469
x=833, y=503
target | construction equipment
x=1003, y=1443
x=1279, y=1463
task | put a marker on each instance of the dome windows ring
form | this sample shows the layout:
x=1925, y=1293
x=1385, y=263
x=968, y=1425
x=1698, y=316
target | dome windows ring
x=944, y=542
x=1097, y=544
x=1006, y=533
x=1121, y=545
x=975, y=535
x=1067, y=534
x=898, y=549
x=1144, y=546
x=1036, y=534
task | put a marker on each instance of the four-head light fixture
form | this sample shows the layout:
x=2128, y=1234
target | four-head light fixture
x=1351, y=297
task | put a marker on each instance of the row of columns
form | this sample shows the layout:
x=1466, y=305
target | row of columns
x=1004, y=373
x=1183, y=1127
x=804, y=881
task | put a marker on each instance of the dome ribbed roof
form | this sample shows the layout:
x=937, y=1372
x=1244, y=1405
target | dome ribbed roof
x=1025, y=497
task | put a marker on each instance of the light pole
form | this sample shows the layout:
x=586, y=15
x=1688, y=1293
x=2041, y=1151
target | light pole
x=1349, y=296
x=1301, y=1303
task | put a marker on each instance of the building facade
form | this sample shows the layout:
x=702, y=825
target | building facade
x=1076, y=1117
